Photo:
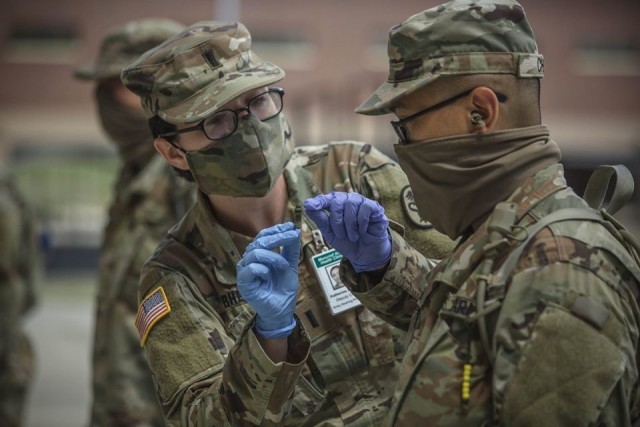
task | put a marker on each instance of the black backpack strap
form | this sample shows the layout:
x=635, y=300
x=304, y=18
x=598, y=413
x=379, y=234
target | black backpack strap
x=613, y=180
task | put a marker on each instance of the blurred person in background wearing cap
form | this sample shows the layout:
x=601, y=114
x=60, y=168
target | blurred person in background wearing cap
x=533, y=319
x=223, y=332
x=148, y=200
x=19, y=264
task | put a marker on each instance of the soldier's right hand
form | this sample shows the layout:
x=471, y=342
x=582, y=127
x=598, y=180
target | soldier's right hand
x=268, y=281
x=354, y=225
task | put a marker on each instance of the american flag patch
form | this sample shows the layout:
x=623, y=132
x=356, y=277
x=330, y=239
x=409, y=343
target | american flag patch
x=153, y=308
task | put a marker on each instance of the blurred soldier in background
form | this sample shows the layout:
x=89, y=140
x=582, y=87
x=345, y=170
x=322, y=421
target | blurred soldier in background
x=148, y=200
x=533, y=320
x=18, y=272
x=218, y=120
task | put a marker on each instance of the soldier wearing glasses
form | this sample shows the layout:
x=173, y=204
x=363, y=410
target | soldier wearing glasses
x=226, y=344
x=533, y=319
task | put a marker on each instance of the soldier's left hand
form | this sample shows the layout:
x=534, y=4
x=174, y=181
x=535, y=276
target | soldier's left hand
x=268, y=281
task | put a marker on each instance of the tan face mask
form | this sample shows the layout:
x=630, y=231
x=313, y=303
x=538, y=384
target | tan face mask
x=457, y=180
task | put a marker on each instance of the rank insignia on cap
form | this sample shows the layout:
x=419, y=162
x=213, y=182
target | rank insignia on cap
x=153, y=308
x=410, y=208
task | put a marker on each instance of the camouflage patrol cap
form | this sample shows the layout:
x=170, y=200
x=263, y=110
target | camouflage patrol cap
x=194, y=73
x=125, y=43
x=455, y=38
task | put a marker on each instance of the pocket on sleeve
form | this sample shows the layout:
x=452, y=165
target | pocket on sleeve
x=565, y=376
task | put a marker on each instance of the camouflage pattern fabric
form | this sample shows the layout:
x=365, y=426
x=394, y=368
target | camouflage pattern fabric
x=204, y=355
x=18, y=274
x=456, y=38
x=148, y=200
x=571, y=294
x=248, y=162
x=197, y=71
x=145, y=207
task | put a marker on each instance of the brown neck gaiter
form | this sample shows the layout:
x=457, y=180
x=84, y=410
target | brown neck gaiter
x=457, y=181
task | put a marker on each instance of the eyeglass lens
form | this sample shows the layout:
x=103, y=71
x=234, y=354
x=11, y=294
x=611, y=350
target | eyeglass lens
x=224, y=123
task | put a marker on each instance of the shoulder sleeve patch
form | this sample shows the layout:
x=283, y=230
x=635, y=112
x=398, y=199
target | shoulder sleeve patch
x=410, y=208
x=153, y=308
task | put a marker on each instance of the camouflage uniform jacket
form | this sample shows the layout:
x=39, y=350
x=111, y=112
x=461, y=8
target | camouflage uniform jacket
x=19, y=268
x=18, y=261
x=146, y=205
x=206, y=361
x=564, y=338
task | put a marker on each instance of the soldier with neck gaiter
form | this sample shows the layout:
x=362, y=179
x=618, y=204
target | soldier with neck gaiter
x=533, y=319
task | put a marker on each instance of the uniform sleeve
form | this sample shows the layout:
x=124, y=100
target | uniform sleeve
x=29, y=260
x=394, y=298
x=9, y=285
x=565, y=341
x=205, y=376
x=121, y=379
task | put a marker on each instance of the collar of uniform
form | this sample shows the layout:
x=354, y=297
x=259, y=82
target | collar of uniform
x=222, y=244
x=147, y=180
x=144, y=187
x=217, y=241
x=300, y=187
x=455, y=269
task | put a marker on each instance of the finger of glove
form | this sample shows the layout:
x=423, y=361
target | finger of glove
x=265, y=257
x=336, y=216
x=250, y=279
x=318, y=203
x=370, y=217
x=321, y=219
x=351, y=216
x=275, y=229
x=377, y=230
x=273, y=241
x=291, y=250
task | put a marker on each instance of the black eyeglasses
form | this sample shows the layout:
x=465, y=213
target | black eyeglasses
x=401, y=131
x=223, y=123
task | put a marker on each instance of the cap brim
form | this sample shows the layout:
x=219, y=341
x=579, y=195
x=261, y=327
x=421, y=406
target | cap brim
x=93, y=73
x=219, y=93
x=384, y=98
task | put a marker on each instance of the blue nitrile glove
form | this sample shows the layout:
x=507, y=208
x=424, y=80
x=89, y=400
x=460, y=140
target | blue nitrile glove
x=355, y=226
x=268, y=281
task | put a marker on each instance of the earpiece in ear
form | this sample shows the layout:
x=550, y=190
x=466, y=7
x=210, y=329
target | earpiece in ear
x=477, y=120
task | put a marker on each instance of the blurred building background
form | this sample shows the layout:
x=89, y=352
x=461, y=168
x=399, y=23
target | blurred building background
x=334, y=53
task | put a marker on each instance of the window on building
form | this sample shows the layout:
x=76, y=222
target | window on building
x=375, y=57
x=40, y=44
x=607, y=59
x=289, y=52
